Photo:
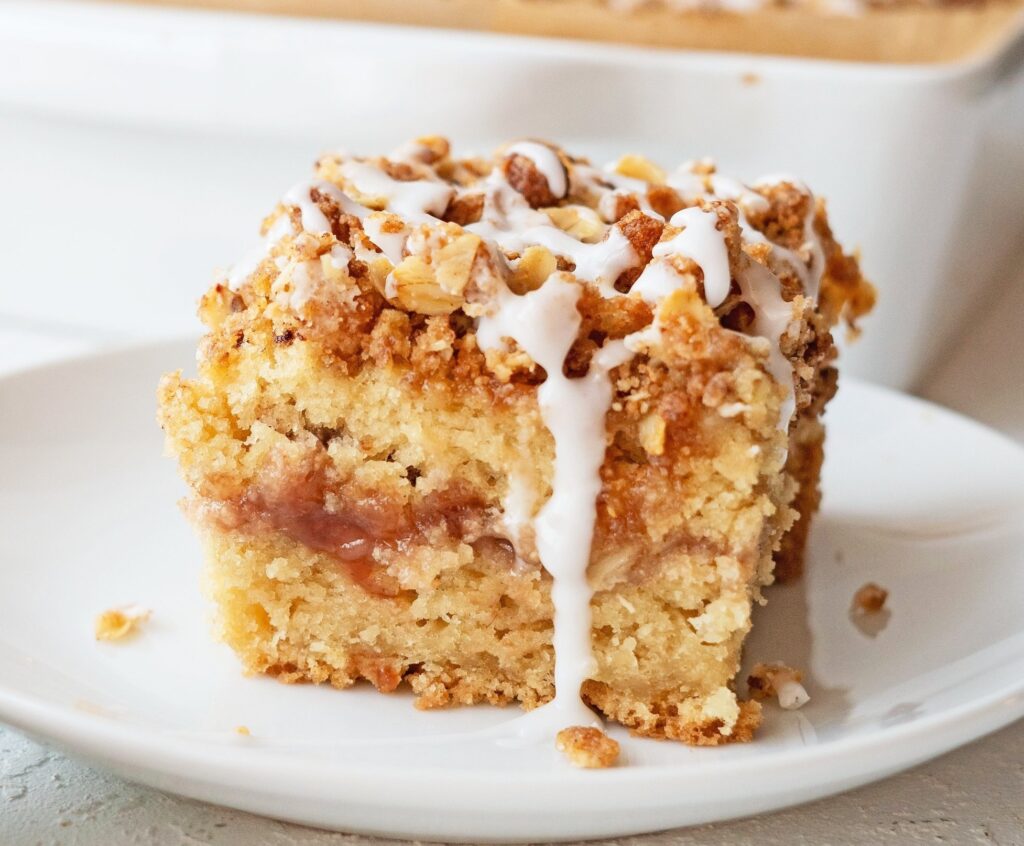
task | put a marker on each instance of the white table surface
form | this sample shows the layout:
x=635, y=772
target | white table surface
x=973, y=795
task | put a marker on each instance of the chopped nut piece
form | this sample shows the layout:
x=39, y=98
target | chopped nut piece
x=535, y=266
x=431, y=148
x=118, y=623
x=465, y=209
x=586, y=747
x=417, y=289
x=870, y=599
x=652, y=434
x=454, y=263
x=378, y=271
x=776, y=679
x=637, y=167
x=579, y=221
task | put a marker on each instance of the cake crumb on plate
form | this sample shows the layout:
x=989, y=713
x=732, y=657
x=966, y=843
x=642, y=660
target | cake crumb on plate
x=869, y=599
x=778, y=680
x=587, y=747
x=118, y=623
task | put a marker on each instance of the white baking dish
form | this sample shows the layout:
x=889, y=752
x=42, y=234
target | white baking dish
x=140, y=146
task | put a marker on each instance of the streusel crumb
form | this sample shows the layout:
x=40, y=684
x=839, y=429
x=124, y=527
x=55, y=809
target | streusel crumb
x=778, y=680
x=587, y=747
x=869, y=599
x=119, y=623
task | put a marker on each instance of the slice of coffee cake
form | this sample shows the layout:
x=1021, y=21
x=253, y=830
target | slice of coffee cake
x=500, y=428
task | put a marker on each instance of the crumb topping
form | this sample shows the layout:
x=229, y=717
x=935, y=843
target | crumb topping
x=587, y=747
x=869, y=599
x=119, y=623
x=432, y=236
x=779, y=681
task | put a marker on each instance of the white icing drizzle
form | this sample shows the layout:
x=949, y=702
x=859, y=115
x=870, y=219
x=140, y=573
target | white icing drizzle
x=392, y=244
x=792, y=695
x=410, y=151
x=772, y=316
x=621, y=186
x=314, y=221
x=517, y=510
x=545, y=323
x=418, y=201
x=510, y=222
x=700, y=241
x=340, y=256
x=691, y=187
x=546, y=161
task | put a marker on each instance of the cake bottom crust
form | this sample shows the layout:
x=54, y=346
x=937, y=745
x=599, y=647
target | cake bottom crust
x=466, y=629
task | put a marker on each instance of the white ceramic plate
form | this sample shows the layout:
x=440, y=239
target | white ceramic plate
x=924, y=502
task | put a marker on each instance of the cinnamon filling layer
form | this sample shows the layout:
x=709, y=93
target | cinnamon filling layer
x=354, y=530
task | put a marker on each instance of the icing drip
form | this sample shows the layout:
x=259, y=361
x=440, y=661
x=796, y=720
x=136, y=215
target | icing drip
x=546, y=161
x=544, y=323
x=700, y=241
x=610, y=186
x=418, y=201
x=509, y=221
x=392, y=244
x=772, y=316
x=691, y=187
x=315, y=221
x=518, y=511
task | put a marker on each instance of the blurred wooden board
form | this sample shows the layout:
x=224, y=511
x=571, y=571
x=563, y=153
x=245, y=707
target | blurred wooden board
x=916, y=34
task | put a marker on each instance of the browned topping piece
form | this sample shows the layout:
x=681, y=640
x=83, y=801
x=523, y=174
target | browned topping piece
x=623, y=204
x=643, y=233
x=870, y=599
x=664, y=200
x=118, y=623
x=586, y=747
x=465, y=209
x=523, y=175
x=431, y=149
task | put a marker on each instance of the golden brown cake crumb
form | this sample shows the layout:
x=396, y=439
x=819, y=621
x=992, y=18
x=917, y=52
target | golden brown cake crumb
x=780, y=681
x=119, y=623
x=587, y=747
x=869, y=599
